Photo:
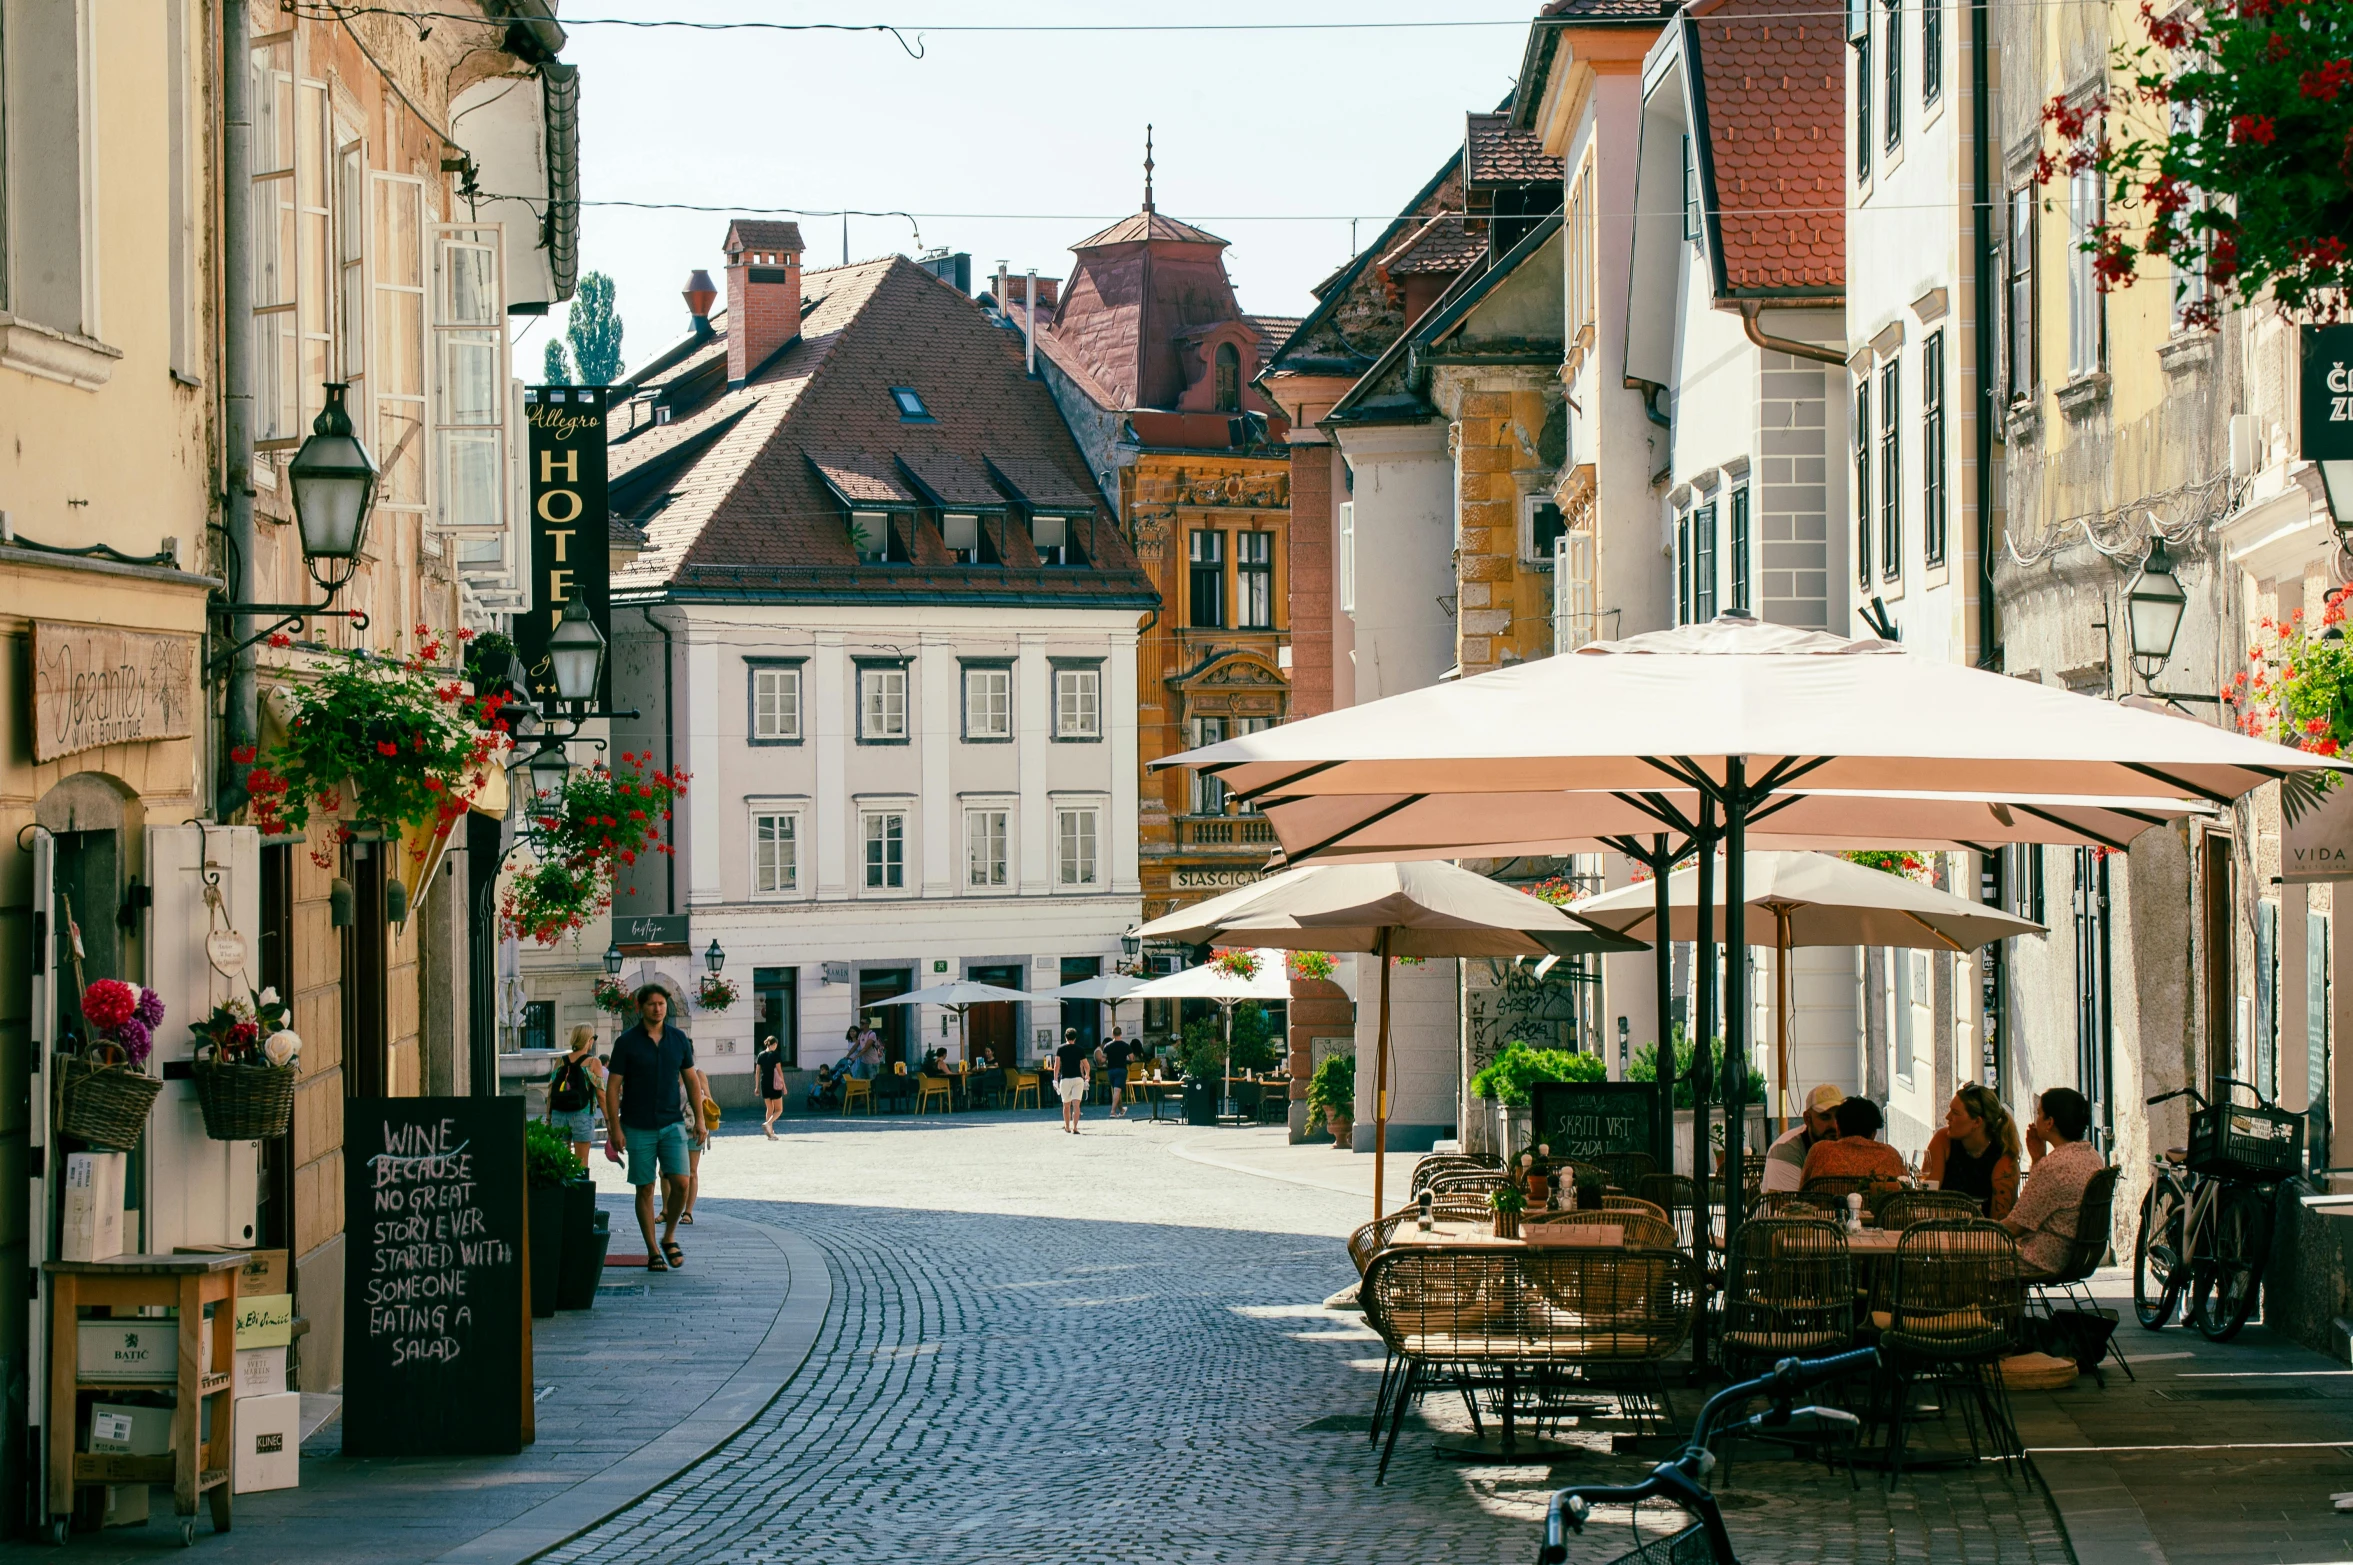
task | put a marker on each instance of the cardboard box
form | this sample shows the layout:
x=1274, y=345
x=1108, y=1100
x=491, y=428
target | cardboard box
x=264, y=1272
x=265, y=1322
x=144, y=1348
x=93, y=1226
x=119, y=1429
x=261, y=1372
x=268, y=1443
x=126, y=1506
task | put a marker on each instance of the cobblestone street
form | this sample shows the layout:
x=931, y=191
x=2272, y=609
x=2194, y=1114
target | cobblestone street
x=1046, y=1348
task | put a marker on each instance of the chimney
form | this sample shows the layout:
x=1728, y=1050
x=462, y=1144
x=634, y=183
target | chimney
x=700, y=296
x=763, y=293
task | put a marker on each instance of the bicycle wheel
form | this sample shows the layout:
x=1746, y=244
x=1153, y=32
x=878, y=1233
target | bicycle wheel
x=2241, y=1243
x=2156, y=1273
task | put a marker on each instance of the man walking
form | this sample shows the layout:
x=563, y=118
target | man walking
x=1073, y=1063
x=1116, y=1055
x=653, y=1104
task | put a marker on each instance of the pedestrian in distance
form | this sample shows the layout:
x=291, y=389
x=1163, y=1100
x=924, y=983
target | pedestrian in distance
x=1073, y=1063
x=852, y=1059
x=768, y=1068
x=869, y=1051
x=573, y=1090
x=695, y=1150
x=1116, y=1054
x=654, y=1107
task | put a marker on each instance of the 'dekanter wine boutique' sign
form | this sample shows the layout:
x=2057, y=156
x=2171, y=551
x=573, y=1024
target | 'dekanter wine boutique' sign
x=94, y=685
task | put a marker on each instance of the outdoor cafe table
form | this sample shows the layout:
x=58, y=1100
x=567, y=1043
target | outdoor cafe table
x=1158, y=1091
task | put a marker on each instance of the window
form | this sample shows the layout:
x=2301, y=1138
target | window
x=2190, y=285
x=277, y=267
x=1074, y=835
x=1254, y=571
x=1050, y=532
x=1683, y=569
x=1582, y=235
x=879, y=537
x=1742, y=562
x=2022, y=293
x=1891, y=469
x=49, y=126
x=1208, y=583
x=1573, y=591
x=1892, y=47
x=397, y=369
x=1863, y=106
x=776, y=1011
x=960, y=531
x=886, y=850
x=2085, y=303
x=1863, y=481
x=351, y=256
x=776, y=854
x=776, y=704
x=1078, y=703
x=1348, y=556
x=984, y=849
x=470, y=368
x=539, y=1024
x=1932, y=448
x=1691, y=205
x=1209, y=794
x=1931, y=50
x=988, y=703
x=882, y=703
x=1228, y=388
x=911, y=408
x=1703, y=563
x=1544, y=529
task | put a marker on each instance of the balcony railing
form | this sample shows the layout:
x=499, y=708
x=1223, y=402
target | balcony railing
x=1220, y=831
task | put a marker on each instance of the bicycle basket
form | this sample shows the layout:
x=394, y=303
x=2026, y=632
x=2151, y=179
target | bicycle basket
x=2234, y=1141
x=1688, y=1547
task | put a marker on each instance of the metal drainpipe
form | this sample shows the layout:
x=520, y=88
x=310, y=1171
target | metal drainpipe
x=244, y=715
x=1988, y=395
x=669, y=760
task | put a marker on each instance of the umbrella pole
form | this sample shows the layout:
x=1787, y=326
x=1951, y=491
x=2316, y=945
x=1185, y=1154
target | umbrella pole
x=1702, y=1024
x=1736, y=998
x=1663, y=954
x=1781, y=1018
x=1381, y=1082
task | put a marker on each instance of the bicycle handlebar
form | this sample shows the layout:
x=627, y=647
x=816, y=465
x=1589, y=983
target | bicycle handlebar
x=2199, y=1098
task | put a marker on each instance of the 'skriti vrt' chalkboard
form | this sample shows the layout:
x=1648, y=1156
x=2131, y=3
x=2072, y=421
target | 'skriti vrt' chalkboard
x=1586, y=1120
x=433, y=1301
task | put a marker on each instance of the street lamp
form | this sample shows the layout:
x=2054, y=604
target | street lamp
x=2336, y=480
x=1129, y=943
x=2153, y=607
x=551, y=766
x=612, y=961
x=334, y=483
x=577, y=649
x=714, y=959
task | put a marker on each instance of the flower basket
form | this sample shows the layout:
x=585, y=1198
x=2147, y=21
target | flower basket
x=253, y=1102
x=1507, y=1224
x=106, y=1101
x=715, y=993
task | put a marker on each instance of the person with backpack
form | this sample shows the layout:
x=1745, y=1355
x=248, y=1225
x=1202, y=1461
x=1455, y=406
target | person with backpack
x=768, y=1073
x=573, y=1090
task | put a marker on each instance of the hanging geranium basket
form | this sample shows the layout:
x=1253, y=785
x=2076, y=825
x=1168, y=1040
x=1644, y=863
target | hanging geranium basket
x=2298, y=690
x=715, y=993
x=582, y=837
x=612, y=997
x=245, y=1069
x=1311, y=965
x=105, y=1093
x=1900, y=862
x=396, y=743
x=1235, y=962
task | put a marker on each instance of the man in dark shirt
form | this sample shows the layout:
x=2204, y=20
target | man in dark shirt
x=653, y=1104
x=1073, y=1062
x=1116, y=1055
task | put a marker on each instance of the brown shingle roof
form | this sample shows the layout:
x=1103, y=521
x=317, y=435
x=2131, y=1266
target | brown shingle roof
x=1771, y=85
x=950, y=478
x=861, y=477
x=759, y=233
x=1441, y=246
x=1498, y=155
x=1608, y=10
x=1036, y=482
x=1148, y=225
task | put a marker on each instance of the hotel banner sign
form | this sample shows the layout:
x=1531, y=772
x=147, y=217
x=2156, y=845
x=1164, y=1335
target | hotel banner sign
x=570, y=527
x=96, y=685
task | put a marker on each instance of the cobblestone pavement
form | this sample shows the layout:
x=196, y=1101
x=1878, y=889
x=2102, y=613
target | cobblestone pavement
x=1047, y=1348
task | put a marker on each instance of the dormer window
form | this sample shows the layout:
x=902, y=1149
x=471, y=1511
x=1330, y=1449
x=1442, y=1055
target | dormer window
x=1050, y=531
x=879, y=538
x=1229, y=378
x=911, y=408
x=960, y=531
x=662, y=415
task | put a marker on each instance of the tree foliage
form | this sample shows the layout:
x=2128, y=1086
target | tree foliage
x=555, y=368
x=595, y=331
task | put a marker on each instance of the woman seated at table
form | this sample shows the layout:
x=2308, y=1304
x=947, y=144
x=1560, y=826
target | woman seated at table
x=2045, y=1216
x=1977, y=1151
x=984, y=1058
x=1857, y=1153
x=936, y=1063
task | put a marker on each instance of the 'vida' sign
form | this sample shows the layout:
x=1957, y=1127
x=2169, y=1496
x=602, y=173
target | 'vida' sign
x=570, y=526
x=2316, y=832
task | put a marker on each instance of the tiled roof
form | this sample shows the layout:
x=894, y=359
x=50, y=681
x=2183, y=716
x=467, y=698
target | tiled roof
x=1273, y=332
x=741, y=493
x=1037, y=482
x=949, y=478
x=1148, y=225
x=1608, y=10
x=758, y=233
x=1498, y=155
x=1441, y=246
x=1771, y=84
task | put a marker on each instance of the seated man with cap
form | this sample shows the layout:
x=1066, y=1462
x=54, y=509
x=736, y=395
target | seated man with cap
x=1785, y=1159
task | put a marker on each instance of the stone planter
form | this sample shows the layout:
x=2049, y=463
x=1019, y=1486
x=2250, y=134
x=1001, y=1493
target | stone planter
x=1513, y=1129
x=1341, y=1128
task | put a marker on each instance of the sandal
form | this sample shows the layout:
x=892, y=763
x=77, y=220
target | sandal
x=655, y=1263
x=686, y=1219
x=675, y=1256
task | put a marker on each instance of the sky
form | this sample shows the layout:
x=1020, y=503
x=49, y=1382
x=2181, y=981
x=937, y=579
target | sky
x=1013, y=145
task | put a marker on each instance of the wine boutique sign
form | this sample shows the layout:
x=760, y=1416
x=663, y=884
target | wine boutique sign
x=95, y=685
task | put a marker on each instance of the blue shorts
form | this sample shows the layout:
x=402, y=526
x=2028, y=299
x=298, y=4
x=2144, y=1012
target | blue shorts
x=665, y=1147
x=578, y=1125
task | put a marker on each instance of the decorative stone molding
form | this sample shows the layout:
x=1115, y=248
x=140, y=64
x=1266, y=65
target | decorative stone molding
x=55, y=355
x=2080, y=397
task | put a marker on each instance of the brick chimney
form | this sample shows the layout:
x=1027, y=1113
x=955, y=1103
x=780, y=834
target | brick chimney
x=763, y=293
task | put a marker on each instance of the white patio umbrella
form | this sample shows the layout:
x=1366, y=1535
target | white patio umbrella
x=957, y=998
x=1814, y=900
x=1104, y=989
x=1269, y=980
x=1389, y=910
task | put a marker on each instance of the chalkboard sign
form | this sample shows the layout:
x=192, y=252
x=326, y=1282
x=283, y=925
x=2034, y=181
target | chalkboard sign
x=1586, y=1120
x=433, y=1304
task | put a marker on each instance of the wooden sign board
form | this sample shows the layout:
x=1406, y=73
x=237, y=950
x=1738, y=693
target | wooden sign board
x=95, y=685
x=1586, y=1120
x=436, y=1332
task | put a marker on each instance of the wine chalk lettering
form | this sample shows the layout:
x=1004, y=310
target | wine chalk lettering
x=427, y=1241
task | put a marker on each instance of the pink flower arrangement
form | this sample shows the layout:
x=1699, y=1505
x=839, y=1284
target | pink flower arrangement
x=124, y=1015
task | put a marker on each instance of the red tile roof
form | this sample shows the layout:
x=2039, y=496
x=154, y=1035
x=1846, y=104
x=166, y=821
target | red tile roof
x=1441, y=246
x=1772, y=85
x=1146, y=225
x=1498, y=155
x=758, y=233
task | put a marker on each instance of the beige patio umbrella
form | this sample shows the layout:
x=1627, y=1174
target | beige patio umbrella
x=957, y=998
x=1389, y=910
x=1814, y=900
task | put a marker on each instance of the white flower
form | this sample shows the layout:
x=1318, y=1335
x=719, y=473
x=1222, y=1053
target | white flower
x=268, y=996
x=280, y=1047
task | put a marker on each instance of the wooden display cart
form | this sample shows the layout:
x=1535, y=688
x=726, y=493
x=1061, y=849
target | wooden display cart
x=186, y=1283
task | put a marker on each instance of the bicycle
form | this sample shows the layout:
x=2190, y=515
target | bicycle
x=1681, y=1479
x=2206, y=1221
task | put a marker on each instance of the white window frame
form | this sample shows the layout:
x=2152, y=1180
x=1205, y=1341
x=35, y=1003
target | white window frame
x=1573, y=562
x=1078, y=846
x=276, y=228
x=766, y=886
x=882, y=703
x=870, y=817
x=770, y=723
x=2086, y=347
x=1208, y=793
x=976, y=819
x=1078, y=703
x=400, y=418
x=485, y=334
x=1348, y=556
x=988, y=702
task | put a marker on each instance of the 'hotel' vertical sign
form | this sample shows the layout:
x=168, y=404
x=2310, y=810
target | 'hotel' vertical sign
x=570, y=530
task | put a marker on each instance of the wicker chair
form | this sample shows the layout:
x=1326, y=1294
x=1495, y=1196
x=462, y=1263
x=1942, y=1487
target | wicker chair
x=1954, y=1309
x=2093, y=1222
x=1525, y=1319
x=1844, y=1185
x=1635, y=1203
x=1801, y=1203
x=1789, y=1290
x=1638, y=1230
x=1626, y=1170
x=1377, y=1235
x=1467, y=1182
x=1438, y=1163
x=1907, y=1207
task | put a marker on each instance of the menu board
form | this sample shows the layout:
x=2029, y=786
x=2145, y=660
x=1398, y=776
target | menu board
x=1585, y=1120
x=435, y=1344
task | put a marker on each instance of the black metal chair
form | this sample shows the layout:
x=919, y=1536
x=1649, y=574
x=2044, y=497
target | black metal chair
x=1954, y=1309
x=2094, y=1222
x=1907, y=1207
x=1789, y=1290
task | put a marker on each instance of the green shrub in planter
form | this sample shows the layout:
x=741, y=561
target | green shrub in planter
x=1519, y=1068
x=1331, y=1091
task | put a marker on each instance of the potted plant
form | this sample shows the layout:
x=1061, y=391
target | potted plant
x=1235, y=962
x=548, y=1167
x=612, y=998
x=245, y=1068
x=1311, y=966
x=1507, y=1202
x=105, y=1092
x=1508, y=1078
x=581, y=838
x=715, y=993
x=1331, y=1094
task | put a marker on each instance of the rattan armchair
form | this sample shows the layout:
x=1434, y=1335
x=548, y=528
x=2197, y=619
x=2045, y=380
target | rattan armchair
x=1954, y=1309
x=1626, y=1170
x=1435, y=1164
x=1907, y=1207
x=1635, y=1203
x=1640, y=1230
x=1789, y=1290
